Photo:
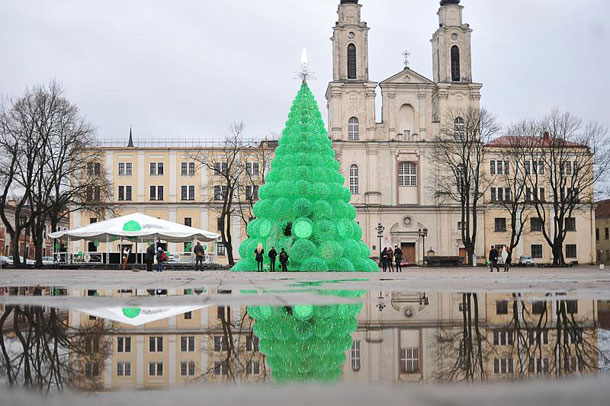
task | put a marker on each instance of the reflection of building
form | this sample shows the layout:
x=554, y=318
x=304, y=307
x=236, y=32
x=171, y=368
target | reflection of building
x=602, y=231
x=412, y=337
x=188, y=347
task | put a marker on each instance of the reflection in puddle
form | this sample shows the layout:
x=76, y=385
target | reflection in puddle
x=388, y=337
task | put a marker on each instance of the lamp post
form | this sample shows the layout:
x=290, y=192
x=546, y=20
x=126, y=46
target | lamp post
x=380, y=229
x=423, y=233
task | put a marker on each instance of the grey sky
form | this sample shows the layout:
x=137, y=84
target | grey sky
x=186, y=69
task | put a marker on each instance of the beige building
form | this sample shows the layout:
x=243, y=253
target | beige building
x=602, y=231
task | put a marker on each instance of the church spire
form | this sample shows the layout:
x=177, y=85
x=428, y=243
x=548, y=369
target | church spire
x=130, y=143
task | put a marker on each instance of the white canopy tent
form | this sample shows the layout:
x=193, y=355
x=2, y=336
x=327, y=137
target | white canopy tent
x=136, y=227
x=137, y=316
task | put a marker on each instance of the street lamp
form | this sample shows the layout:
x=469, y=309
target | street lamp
x=380, y=229
x=423, y=233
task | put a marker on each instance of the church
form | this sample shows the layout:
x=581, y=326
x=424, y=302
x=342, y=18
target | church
x=386, y=160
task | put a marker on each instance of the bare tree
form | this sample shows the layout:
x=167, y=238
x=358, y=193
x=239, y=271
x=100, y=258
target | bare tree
x=459, y=177
x=566, y=158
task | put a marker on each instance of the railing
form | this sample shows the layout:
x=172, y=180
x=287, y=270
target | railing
x=104, y=257
x=179, y=143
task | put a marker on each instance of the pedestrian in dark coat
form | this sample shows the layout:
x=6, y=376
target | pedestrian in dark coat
x=391, y=259
x=272, y=256
x=149, y=258
x=259, y=253
x=284, y=260
x=398, y=259
x=493, y=259
x=199, y=252
x=384, y=259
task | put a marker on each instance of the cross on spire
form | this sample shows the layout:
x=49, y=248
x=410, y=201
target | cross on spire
x=406, y=55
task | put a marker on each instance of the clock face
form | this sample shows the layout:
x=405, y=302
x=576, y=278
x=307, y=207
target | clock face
x=454, y=37
x=351, y=35
x=407, y=221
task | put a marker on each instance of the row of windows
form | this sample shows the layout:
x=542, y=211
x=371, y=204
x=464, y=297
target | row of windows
x=606, y=234
x=538, y=307
x=187, y=344
x=187, y=193
x=158, y=168
x=535, y=224
x=407, y=176
x=498, y=167
x=499, y=194
x=409, y=359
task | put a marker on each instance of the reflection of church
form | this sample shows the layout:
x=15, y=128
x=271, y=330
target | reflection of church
x=386, y=159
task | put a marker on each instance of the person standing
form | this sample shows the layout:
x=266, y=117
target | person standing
x=391, y=259
x=150, y=257
x=272, y=256
x=398, y=258
x=126, y=252
x=493, y=259
x=506, y=258
x=199, y=252
x=384, y=259
x=259, y=254
x=283, y=260
x=161, y=256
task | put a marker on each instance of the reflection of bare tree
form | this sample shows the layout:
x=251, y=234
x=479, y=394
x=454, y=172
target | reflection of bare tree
x=239, y=347
x=463, y=348
x=41, y=352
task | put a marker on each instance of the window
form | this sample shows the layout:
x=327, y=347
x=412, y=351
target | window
x=121, y=169
x=220, y=192
x=94, y=168
x=221, y=168
x=535, y=225
x=188, y=315
x=156, y=168
x=188, y=221
x=223, y=313
x=123, y=368
x=536, y=250
x=455, y=63
x=187, y=344
x=187, y=192
x=220, y=344
x=500, y=225
x=221, y=368
x=220, y=224
x=572, y=306
x=409, y=360
x=355, y=356
x=252, y=192
x=538, y=336
x=527, y=167
x=253, y=368
x=597, y=234
x=252, y=343
x=503, y=337
x=124, y=344
x=460, y=226
x=351, y=61
x=92, y=345
x=503, y=366
x=607, y=234
x=252, y=168
x=155, y=344
x=221, y=249
x=572, y=335
x=353, y=129
x=125, y=193
x=502, y=307
x=565, y=168
x=407, y=174
x=125, y=168
x=187, y=368
x=353, y=179
x=570, y=224
x=538, y=366
x=94, y=193
x=571, y=251
x=538, y=307
x=92, y=369
x=573, y=364
x=573, y=195
x=187, y=169
x=492, y=167
x=155, y=368
x=156, y=193
x=459, y=131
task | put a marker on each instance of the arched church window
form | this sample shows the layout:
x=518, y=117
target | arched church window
x=458, y=129
x=353, y=179
x=455, y=63
x=407, y=174
x=351, y=61
x=353, y=129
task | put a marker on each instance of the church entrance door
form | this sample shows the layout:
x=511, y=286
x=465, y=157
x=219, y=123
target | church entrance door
x=408, y=252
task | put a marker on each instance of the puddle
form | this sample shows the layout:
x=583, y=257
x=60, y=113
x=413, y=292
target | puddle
x=56, y=338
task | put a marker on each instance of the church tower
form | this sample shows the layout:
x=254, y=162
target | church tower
x=351, y=94
x=451, y=45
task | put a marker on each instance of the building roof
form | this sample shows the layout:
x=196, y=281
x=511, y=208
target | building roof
x=544, y=141
x=445, y=2
x=602, y=209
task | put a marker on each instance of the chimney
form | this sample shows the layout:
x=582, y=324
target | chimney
x=546, y=138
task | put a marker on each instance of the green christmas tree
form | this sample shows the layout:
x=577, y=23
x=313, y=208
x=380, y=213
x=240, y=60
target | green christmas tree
x=304, y=342
x=304, y=207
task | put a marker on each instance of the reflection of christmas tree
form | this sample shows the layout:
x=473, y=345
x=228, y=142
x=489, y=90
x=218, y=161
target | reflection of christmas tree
x=305, y=343
x=304, y=207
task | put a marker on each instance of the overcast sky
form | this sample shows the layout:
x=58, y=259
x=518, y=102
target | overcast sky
x=187, y=69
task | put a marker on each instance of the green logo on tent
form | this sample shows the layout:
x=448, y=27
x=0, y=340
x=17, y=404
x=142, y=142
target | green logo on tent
x=132, y=226
x=131, y=312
